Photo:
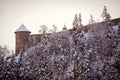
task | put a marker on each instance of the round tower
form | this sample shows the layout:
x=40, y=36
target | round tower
x=22, y=39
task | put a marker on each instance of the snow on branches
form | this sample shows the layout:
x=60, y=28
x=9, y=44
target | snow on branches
x=81, y=55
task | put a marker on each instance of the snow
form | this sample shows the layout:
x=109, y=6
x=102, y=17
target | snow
x=70, y=40
x=61, y=56
x=22, y=28
x=17, y=58
x=115, y=28
x=87, y=35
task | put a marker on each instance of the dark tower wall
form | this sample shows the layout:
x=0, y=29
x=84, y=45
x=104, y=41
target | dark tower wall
x=22, y=41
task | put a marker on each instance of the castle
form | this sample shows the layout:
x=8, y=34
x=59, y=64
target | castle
x=25, y=40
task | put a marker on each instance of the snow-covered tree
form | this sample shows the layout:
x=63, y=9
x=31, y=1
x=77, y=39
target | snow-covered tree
x=43, y=29
x=91, y=21
x=105, y=15
x=80, y=54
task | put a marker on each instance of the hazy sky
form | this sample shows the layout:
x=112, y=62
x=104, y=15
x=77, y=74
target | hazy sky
x=33, y=13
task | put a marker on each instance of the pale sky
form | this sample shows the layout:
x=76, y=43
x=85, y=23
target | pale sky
x=33, y=13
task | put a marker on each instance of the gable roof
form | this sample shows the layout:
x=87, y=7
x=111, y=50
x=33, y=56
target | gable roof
x=22, y=28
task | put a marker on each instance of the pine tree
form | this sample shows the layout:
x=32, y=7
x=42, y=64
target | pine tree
x=80, y=19
x=105, y=15
x=75, y=22
x=117, y=50
x=91, y=21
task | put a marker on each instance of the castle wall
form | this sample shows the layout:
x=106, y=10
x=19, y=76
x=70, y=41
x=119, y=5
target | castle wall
x=35, y=38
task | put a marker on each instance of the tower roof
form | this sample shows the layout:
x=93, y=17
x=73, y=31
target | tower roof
x=64, y=28
x=22, y=28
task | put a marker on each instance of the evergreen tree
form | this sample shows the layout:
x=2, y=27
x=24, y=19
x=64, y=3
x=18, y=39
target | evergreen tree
x=105, y=15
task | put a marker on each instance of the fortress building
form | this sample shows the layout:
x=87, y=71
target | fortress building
x=25, y=40
x=22, y=38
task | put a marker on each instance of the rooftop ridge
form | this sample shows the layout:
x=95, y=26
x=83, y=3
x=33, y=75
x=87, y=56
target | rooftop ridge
x=22, y=28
